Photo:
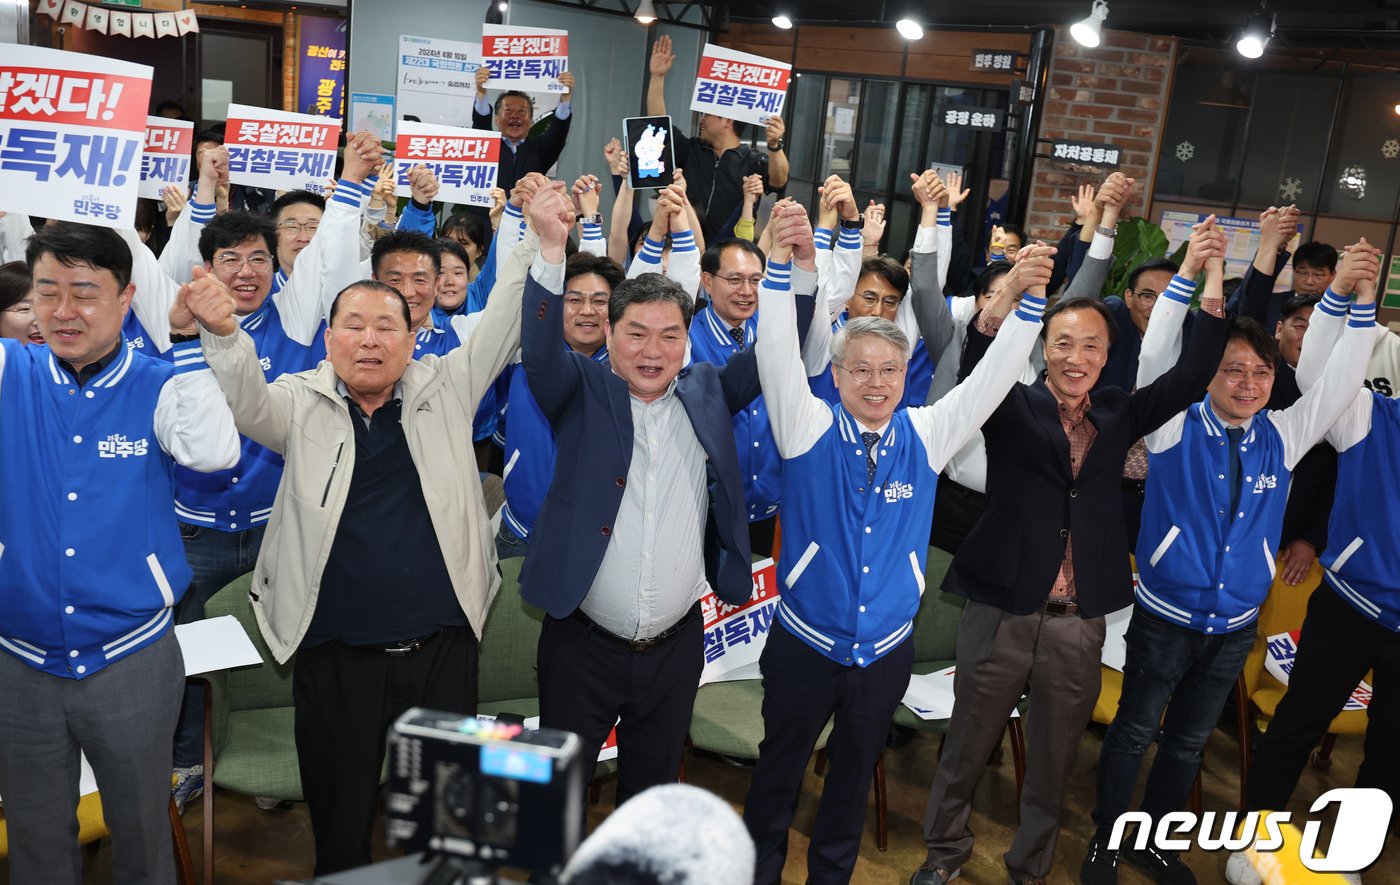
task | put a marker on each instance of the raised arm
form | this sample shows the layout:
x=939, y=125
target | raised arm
x=1161, y=345
x=261, y=411
x=847, y=257
x=192, y=420
x=798, y=418
x=670, y=216
x=15, y=232
x=1028, y=270
x=1088, y=281
x=418, y=214
x=777, y=156
x=1256, y=290
x=657, y=67
x=181, y=252
x=1329, y=319
x=930, y=308
x=550, y=369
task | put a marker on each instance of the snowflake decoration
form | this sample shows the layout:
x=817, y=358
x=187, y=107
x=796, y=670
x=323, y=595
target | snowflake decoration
x=1353, y=182
x=1290, y=190
x=1185, y=151
x=1391, y=148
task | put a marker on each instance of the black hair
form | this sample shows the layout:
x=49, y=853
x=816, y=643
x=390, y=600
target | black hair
x=150, y=218
x=171, y=104
x=1015, y=230
x=989, y=276
x=447, y=244
x=231, y=229
x=15, y=283
x=586, y=263
x=647, y=288
x=293, y=198
x=214, y=135
x=73, y=244
x=1317, y=255
x=710, y=260
x=887, y=269
x=1080, y=302
x=404, y=241
x=473, y=226
x=740, y=128
x=1248, y=330
x=514, y=93
x=1149, y=266
x=372, y=286
x=1296, y=303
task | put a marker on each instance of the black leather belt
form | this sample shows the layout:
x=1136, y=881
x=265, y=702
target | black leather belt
x=1055, y=607
x=403, y=648
x=637, y=644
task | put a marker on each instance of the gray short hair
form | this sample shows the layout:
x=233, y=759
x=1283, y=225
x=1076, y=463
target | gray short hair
x=646, y=288
x=860, y=327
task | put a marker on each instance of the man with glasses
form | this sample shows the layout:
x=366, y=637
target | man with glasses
x=730, y=273
x=1216, y=489
x=858, y=482
x=223, y=514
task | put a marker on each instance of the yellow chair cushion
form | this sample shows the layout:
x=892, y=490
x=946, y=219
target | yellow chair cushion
x=1106, y=707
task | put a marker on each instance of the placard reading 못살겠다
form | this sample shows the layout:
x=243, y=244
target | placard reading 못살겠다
x=528, y=59
x=280, y=150
x=465, y=161
x=166, y=159
x=740, y=86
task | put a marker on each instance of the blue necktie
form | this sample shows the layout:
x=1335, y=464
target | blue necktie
x=871, y=441
x=1234, y=435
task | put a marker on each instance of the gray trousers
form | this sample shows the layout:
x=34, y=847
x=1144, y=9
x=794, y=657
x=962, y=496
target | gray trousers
x=123, y=718
x=997, y=653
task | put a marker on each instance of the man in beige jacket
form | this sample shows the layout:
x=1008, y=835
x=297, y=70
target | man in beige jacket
x=378, y=566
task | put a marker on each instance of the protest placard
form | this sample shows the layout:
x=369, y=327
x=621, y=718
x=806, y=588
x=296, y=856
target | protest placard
x=1281, y=653
x=740, y=86
x=528, y=59
x=437, y=79
x=71, y=131
x=464, y=160
x=735, y=634
x=166, y=159
x=280, y=150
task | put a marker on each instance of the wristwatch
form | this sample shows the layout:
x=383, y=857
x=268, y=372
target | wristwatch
x=779, y=146
x=595, y=218
x=852, y=225
x=1107, y=231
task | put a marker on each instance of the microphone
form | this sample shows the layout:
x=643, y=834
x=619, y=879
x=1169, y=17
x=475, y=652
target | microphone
x=675, y=833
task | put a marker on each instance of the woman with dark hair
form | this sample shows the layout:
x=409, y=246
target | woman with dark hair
x=472, y=233
x=16, y=312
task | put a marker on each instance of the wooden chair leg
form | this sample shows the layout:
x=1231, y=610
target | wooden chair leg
x=184, y=864
x=1018, y=753
x=1196, y=799
x=820, y=766
x=1243, y=718
x=1322, y=756
x=680, y=777
x=882, y=822
x=208, y=825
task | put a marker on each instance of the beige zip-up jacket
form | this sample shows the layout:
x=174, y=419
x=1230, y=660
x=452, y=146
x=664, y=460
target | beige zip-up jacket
x=302, y=417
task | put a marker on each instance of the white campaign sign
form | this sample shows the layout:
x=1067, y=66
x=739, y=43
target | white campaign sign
x=280, y=150
x=739, y=85
x=437, y=80
x=528, y=59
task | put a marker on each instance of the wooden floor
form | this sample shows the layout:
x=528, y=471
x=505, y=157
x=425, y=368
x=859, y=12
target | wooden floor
x=253, y=846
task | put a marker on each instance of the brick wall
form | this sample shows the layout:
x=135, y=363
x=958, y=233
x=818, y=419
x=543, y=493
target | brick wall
x=1116, y=93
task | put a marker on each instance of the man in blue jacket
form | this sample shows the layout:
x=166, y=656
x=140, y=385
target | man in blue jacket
x=1217, y=484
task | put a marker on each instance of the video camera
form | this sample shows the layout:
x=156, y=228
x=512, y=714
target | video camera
x=486, y=790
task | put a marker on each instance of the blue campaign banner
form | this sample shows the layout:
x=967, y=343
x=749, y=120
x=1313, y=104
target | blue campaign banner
x=321, y=66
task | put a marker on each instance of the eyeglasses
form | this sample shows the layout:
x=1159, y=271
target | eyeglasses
x=576, y=300
x=1147, y=296
x=864, y=374
x=871, y=299
x=736, y=280
x=259, y=262
x=23, y=309
x=1312, y=273
x=298, y=227
x=1236, y=375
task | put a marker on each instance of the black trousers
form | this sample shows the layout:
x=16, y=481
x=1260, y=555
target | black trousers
x=801, y=691
x=1336, y=648
x=346, y=698
x=588, y=682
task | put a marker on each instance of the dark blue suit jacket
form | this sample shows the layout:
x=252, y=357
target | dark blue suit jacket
x=590, y=410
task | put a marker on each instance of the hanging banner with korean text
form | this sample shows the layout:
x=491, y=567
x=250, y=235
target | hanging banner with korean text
x=166, y=159
x=1282, y=651
x=528, y=59
x=465, y=161
x=71, y=131
x=280, y=150
x=321, y=66
x=740, y=86
x=735, y=634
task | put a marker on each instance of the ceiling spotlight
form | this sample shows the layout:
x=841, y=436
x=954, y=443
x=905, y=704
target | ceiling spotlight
x=1089, y=31
x=646, y=12
x=1257, y=32
x=909, y=29
x=782, y=21
x=503, y=6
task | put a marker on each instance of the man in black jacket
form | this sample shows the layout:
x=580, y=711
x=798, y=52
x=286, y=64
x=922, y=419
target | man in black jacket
x=1046, y=562
x=522, y=153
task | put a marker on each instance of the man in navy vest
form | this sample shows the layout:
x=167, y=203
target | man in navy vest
x=858, y=489
x=93, y=566
x=1217, y=482
x=1353, y=622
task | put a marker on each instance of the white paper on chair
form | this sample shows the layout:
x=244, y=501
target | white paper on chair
x=215, y=644
x=930, y=696
x=1115, y=640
